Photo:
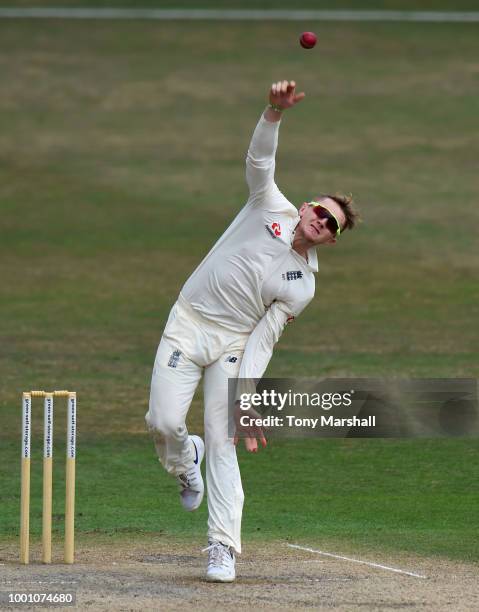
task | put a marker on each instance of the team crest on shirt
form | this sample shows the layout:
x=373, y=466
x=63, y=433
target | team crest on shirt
x=274, y=229
x=174, y=359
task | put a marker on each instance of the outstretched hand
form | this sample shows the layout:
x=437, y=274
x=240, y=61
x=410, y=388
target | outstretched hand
x=283, y=94
x=248, y=430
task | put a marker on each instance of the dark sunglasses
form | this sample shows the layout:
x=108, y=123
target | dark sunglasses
x=323, y=213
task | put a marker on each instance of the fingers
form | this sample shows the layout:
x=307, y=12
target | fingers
x=251, y=439
x=251, y=434
x=279, y=87
x=251, y=442
x=260, y=435
x=282, y=87
x=284, y=93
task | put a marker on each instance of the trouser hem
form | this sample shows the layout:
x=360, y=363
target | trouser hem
x=226, y=541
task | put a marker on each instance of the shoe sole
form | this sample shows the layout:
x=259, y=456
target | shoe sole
x=218, y=579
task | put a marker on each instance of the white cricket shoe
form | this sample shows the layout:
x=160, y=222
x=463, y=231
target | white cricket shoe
x=221, y=562
x=191, y=483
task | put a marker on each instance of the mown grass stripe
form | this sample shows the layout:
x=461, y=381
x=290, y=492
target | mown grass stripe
x=240, y=15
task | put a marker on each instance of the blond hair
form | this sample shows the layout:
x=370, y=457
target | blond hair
x=346, y=204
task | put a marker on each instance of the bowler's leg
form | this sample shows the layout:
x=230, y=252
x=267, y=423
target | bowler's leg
x=225, y=493
x=173, y=385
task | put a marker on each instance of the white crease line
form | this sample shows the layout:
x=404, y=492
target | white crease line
x=240, y=15
x=282, y=561
x=370, y=563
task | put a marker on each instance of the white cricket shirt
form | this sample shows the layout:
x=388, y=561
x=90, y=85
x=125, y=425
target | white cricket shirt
x=252, y=281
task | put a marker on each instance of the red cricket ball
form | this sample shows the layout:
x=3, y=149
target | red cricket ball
x=308, y=39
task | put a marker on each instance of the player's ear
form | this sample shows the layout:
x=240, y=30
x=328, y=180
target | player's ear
x=303, y=208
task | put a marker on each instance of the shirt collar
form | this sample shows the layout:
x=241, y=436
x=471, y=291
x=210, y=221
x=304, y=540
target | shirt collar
x=312, y=262
x=313, y=259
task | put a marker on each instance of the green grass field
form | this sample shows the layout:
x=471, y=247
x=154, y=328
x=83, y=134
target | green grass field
x=416, y=5
x=122, y=148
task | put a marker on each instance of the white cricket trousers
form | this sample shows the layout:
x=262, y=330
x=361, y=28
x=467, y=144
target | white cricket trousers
x=190, y=346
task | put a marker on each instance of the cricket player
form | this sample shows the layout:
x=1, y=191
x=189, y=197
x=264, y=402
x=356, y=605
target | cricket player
x=258, y=277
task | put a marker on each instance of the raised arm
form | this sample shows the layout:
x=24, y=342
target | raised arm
x=260, y=160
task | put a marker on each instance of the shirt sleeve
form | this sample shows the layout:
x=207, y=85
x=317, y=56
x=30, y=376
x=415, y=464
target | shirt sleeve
x=260, y=159
x=259, y=348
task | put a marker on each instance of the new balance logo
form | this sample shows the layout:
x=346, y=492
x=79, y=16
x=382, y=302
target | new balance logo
x=174, y=358
x=294, y=275
x=231, y=359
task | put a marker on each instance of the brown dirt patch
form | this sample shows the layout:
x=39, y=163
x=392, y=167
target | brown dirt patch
x=169, y=576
